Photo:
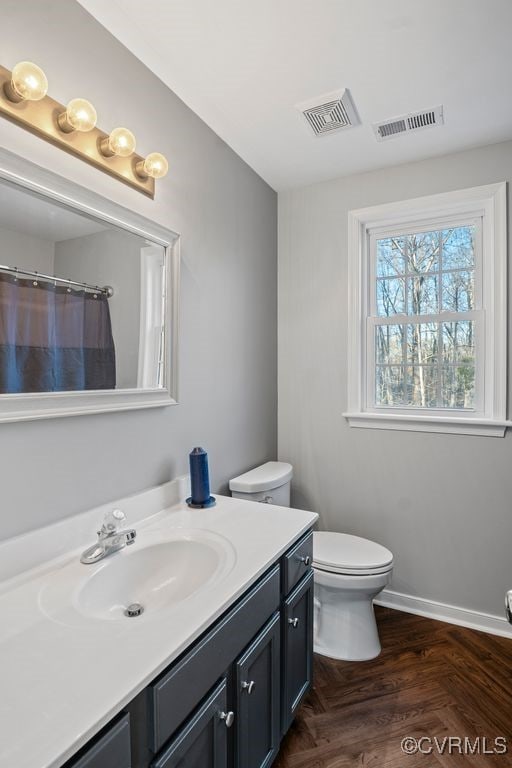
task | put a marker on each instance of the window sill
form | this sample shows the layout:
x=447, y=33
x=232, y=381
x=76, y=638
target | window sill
x=451, y=425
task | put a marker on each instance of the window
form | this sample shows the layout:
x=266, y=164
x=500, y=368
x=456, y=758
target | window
x=425, y=317
x=427, y=345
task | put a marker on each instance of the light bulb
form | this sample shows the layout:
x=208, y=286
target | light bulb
x=28, y=83
x=121, y=142
x=80, y=115
x=155, y=165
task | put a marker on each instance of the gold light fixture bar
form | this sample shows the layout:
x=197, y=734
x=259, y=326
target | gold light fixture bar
x=42, y=118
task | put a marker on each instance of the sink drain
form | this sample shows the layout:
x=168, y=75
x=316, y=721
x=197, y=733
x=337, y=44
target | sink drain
x=135, y=609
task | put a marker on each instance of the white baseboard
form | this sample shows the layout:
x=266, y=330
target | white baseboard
x=494, y=625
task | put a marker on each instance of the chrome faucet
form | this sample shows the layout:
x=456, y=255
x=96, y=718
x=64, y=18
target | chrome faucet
x=110, y=538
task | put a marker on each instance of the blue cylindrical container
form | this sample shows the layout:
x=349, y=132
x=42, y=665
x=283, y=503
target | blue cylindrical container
x=199, y=479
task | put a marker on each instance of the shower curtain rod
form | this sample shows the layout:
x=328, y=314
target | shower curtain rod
x=106, y=289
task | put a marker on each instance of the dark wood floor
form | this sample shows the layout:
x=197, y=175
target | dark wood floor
x=431, y=679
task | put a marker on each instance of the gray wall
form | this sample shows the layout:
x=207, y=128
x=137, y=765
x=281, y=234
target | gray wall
x=227, y=217
x=111, y=258
x=18, y=249
x=441, y=503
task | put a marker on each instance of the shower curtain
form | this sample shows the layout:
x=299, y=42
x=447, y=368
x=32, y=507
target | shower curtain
x=53, y=338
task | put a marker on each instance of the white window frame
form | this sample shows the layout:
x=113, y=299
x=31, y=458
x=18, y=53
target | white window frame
x=485, y=206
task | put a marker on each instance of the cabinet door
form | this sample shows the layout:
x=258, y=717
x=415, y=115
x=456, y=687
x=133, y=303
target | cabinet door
x=297, y=657
x=202, y=742
x=258, y=699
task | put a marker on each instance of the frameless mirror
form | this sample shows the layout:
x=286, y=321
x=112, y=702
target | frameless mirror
x=88, y=300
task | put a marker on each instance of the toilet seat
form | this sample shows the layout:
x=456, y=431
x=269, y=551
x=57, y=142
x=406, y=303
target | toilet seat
x=349, y=555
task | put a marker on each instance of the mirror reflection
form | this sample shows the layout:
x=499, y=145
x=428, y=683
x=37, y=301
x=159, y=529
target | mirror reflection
x=81, y=301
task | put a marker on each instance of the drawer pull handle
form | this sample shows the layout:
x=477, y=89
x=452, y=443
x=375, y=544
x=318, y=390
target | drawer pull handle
x=306, y=560
x=228, y=717
x=294, y=622
x=248, y=686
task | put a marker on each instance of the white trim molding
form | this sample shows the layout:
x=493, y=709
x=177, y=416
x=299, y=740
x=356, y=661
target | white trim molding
x=488, y=205
x=450, y=425
x=452, y=614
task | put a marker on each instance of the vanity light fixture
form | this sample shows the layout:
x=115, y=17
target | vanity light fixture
x=121, y=142
x=24, y=101
x=155, y=166
x=80, y=115
x=27, y=83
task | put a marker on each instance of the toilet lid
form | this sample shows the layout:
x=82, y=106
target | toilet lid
x=343, y=553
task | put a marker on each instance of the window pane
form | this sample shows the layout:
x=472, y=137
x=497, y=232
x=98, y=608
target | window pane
x=458, y=247
x=390, y=256
x=390, y=297
x=458, y=290
x=420, y=364
x=389, y=343
x=422, y=343
x=459, y=342
x=422, y=295
x=423, y=252
x=389, y=385
x=421, y=389
x=458, y=386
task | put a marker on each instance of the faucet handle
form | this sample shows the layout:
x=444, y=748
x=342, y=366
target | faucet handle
x=112, y=521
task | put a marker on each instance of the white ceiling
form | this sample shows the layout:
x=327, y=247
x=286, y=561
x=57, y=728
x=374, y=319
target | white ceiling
x=242, y=65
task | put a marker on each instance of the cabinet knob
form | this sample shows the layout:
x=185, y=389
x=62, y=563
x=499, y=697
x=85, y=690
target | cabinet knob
x=248, y=686
x=294, y=622
x=306, y=560
x=228, y=717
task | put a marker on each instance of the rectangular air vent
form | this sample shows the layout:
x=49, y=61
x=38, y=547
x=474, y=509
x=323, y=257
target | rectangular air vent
x=414, y=121
x=329, y=113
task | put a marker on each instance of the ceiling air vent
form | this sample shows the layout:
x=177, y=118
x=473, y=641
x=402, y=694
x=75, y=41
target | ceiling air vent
x=415, y=121
x=329, y=113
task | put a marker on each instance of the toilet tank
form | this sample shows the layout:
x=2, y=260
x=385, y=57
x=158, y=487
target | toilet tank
x=268, y=483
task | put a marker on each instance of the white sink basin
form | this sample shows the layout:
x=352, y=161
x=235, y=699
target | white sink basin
x=155, y=576
x=154, y=573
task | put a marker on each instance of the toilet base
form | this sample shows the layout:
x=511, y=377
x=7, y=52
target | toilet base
x=345, y=626
x=347, y=635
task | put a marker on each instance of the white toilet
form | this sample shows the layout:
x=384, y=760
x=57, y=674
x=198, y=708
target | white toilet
x=349, y=572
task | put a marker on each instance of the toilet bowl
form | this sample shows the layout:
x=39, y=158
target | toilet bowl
x=349, y=572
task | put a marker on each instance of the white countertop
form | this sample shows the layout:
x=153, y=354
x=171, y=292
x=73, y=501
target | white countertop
x=63, y=675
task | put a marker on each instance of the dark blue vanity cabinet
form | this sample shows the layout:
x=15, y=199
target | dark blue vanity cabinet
x=229, y=699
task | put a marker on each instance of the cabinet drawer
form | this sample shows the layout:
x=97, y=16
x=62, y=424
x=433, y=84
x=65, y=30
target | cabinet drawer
x=177, y=692
x=112, y=750
x=203, y=740
x=297, y=562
